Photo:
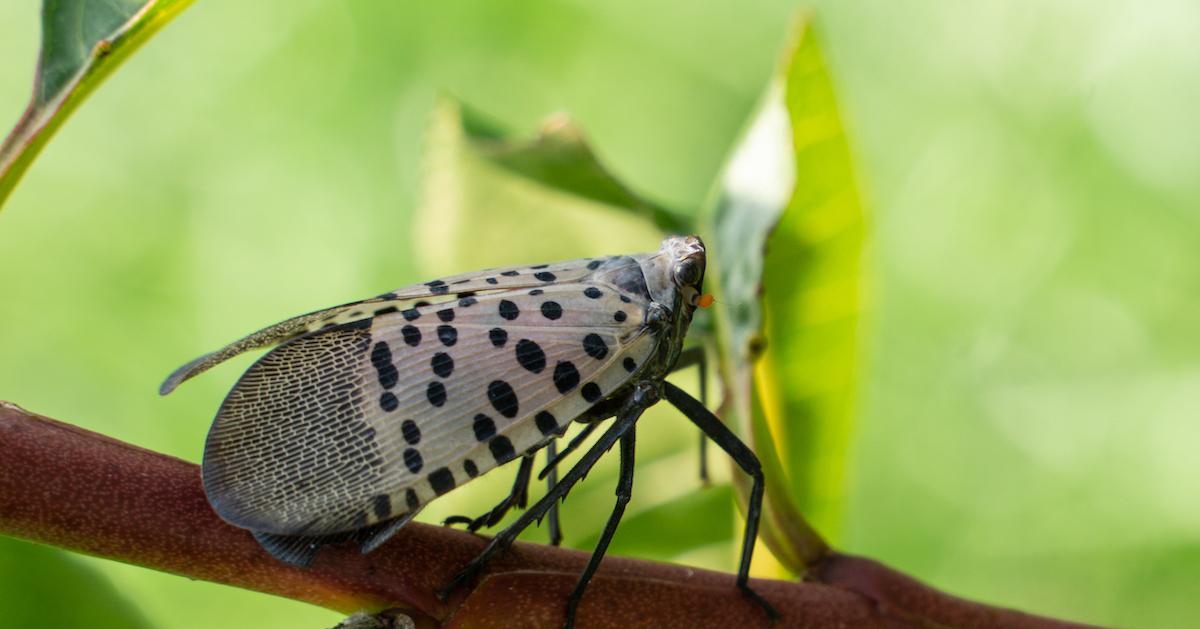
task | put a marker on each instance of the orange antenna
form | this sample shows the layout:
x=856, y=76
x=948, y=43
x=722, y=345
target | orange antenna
x=705, y=300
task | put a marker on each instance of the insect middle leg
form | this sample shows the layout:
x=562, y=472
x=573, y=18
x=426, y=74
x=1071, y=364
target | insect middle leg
x=744, y=457
x=554, y=459
x=554, y=528
x=624, y=492
x=517, y=497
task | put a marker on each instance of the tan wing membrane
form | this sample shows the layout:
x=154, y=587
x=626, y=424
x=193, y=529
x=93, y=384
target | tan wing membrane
x=478, y=282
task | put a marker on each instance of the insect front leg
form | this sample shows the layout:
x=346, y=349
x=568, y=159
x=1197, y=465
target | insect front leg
x=517, y=497
x=744, y=457
x=644, y=396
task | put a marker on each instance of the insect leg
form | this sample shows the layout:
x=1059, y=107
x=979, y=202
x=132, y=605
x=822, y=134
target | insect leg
x=744, y=457
x=643, y=397
x=687, y=358
x=553, y=526
x=624, y=491
x=572, y=445
x=516, y=498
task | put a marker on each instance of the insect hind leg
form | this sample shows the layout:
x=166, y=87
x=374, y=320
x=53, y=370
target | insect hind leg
x=744, y=457
x=695, y=357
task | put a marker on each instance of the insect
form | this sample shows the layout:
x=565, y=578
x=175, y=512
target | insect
x=365, y=412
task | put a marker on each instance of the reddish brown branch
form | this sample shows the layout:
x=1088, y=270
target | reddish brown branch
x=67, y=487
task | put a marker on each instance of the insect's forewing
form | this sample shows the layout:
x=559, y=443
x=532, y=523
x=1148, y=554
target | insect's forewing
x=402, y=298
x=365, y=421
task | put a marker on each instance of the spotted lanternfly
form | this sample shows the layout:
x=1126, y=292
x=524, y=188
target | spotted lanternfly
x=367, y=411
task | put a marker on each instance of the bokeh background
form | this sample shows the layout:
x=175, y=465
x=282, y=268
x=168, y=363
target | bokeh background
x=1027, y=427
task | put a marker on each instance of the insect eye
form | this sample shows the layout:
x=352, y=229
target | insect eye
x=687, y=273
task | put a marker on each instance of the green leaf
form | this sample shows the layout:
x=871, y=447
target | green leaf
x=787, y=227
x=559, y=157
x=675, y=527
x=83, y=41
x=44, y=587
x=488, y=201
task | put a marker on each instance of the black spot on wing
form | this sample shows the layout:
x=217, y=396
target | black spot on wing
x=412, y=433
x=502, y=449
x=509, y=310
x=591, y=392
x=498, y=337
x=442, y=480
x=566, y=376
x=442, y=364
x=530, y=355
x=484, y=427
x=595, y=347
x=503, y=398
x=546, y=422
x=447, y=334
x=413, y=460
x=411, y=334
x=551, y=310
x=436, y=393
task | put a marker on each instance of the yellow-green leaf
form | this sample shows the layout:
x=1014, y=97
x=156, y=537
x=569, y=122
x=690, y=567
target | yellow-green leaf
x=787, y=226
x=83, y=41
x=47, y=587
x=487, y=201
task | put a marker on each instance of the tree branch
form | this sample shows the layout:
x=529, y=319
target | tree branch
x=68, y=487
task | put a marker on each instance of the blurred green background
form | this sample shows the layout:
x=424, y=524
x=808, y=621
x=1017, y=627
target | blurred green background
x=1027, y=425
